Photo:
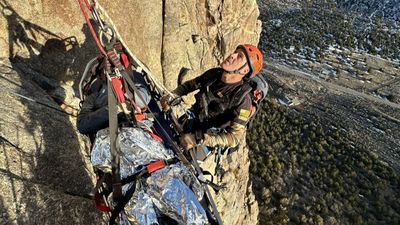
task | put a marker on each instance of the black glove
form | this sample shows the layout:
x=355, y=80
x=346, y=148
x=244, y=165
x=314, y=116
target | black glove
x=168, y=100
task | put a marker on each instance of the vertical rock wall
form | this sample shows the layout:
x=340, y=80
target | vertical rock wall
x=237, y=203
x=199, y=34
x=165, y=35
x=48, y=44
x=49, y=34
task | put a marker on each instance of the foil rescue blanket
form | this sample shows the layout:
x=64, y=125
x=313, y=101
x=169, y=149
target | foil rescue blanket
x=171, y=192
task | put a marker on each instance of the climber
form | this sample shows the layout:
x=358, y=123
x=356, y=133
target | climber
x=93, y=115
x=221, y=102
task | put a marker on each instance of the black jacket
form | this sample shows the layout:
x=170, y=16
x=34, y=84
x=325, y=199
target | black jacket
x=94, y=112
x=93, y=115
x=215, y=106
x=215, y=99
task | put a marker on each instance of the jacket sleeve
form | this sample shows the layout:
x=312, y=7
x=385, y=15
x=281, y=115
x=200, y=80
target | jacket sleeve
x=196, y=83
x=231, y=138
x=90, y=119
x=235, y=133
x=187, y=87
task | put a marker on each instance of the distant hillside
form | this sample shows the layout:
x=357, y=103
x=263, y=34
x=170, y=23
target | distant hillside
x=311, y=27
x=323, y=161
x=307, y=174
x=389, y=9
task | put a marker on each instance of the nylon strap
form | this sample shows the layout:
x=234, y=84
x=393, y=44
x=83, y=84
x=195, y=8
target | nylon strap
x=121, y=204
x=114, y=145
x=205, y=187
x=237, y=71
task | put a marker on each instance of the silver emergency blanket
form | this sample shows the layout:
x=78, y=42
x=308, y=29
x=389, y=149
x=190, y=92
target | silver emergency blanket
x=172, y=191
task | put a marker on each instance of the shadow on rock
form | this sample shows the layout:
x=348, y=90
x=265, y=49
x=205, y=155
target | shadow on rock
x=44, y=163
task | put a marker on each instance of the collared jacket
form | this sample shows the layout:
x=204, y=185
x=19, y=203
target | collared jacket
x=215, y=106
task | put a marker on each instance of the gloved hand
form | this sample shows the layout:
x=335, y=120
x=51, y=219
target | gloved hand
x=164, y=101
x=187, y=141
x=169, y=99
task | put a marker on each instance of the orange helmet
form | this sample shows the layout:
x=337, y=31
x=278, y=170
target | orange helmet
x=254, y=58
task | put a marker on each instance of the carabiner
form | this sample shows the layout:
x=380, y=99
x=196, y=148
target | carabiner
x=111, y=41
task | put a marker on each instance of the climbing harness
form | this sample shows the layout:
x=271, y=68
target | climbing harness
x=142, y=172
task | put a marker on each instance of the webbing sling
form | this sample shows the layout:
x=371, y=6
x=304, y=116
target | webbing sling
x=115, y=97
x=114, y=144
x=197, y=169
x=142, y=171
x=205, y=187
x=121, y=204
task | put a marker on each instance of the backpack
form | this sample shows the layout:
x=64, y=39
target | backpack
x=258, y=93
x=257, y=88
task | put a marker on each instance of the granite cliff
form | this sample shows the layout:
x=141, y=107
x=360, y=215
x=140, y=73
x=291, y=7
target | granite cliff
x=44, y=47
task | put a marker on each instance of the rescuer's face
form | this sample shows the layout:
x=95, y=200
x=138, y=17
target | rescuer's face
x=234, y=61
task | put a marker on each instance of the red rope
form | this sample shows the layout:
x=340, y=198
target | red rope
x=96, y=39
x=118, y=90
x=88, y=5
x=137, y=109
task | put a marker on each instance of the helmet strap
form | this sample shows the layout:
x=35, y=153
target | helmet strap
x=237, y=71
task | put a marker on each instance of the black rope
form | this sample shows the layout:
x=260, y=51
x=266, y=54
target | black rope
x=4, y=140
x=121, y=204
x=37, y=102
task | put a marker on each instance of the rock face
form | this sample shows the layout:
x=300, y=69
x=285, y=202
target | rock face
x=51, y=34
x=237, y=203
x=166, y=36
x=44, y=162
x=200, y=34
